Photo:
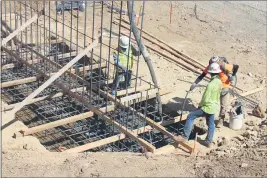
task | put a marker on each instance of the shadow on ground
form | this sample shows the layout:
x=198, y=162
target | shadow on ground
x=175, y=104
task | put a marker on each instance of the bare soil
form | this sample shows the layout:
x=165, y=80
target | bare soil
x=236, y=30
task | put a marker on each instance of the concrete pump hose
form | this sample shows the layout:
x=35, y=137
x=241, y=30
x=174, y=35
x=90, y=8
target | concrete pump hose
x=143, y=50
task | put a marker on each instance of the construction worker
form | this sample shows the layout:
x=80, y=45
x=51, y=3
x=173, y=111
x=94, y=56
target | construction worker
x=227, y=77
x=208, y=106
x=123, y=60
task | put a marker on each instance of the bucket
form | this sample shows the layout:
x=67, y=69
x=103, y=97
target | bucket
x=236, y=117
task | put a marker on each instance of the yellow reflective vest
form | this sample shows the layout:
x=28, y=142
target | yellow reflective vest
x=210, y=102
x=124, y=59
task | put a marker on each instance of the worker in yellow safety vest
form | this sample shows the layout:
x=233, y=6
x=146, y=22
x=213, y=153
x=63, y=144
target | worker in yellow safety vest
x=123, y=60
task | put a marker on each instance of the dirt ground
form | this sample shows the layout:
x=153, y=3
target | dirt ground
x=236, y=30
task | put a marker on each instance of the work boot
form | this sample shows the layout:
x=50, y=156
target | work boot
x=219, y=123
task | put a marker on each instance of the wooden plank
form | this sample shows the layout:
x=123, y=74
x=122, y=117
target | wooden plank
x=161, y=129
x=59, y=56
x=105, y=141
x=55, y=76
x=132, y=90
x=136, y=96
x=80, y=99
x=33, y=61
x=252, y=91
x=121, y=136
x=11, y=106
x=21, y=28
x=33, y=79
x=65, y=121
x=18, y=82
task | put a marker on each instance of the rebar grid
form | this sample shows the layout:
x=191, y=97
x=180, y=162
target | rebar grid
x=60, y=38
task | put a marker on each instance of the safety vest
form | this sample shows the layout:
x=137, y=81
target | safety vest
x=210, y=101
x=124, y=59
x=224, y=75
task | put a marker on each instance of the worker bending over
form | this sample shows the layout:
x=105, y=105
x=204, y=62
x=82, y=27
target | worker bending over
x=208, y=106
x=227, y=77
x=123, y=60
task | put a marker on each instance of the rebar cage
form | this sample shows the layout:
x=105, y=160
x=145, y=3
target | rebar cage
x=45, y=36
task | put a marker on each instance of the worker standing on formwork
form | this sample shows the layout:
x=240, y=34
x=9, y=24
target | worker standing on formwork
x=208, y=106
x=123, y=60
x=227, y=77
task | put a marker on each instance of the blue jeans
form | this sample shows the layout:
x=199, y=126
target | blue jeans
x=209, y=121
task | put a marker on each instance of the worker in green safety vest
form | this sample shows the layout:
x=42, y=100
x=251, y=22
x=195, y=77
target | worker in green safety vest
x=208, y=107
x=123, y=60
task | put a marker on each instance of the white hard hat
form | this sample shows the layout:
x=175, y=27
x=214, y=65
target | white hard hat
x=214, y=68
x=124, y=42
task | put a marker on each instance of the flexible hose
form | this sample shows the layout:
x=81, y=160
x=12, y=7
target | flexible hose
x=143, y=51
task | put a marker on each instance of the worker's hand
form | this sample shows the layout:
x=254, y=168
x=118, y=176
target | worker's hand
x=193, y=86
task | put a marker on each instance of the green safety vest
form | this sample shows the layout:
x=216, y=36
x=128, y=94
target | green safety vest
x=210, y=101
x=124, y=59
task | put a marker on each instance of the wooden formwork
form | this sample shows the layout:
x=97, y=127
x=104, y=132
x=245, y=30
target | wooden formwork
x=141, y=93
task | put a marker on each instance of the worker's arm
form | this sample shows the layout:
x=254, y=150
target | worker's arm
x=204, y=73
x=117, y=62
x=235, y=69
x=135, y=51
x=231, y=69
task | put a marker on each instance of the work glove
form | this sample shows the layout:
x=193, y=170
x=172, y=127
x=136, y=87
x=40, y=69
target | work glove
x=193, y=86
